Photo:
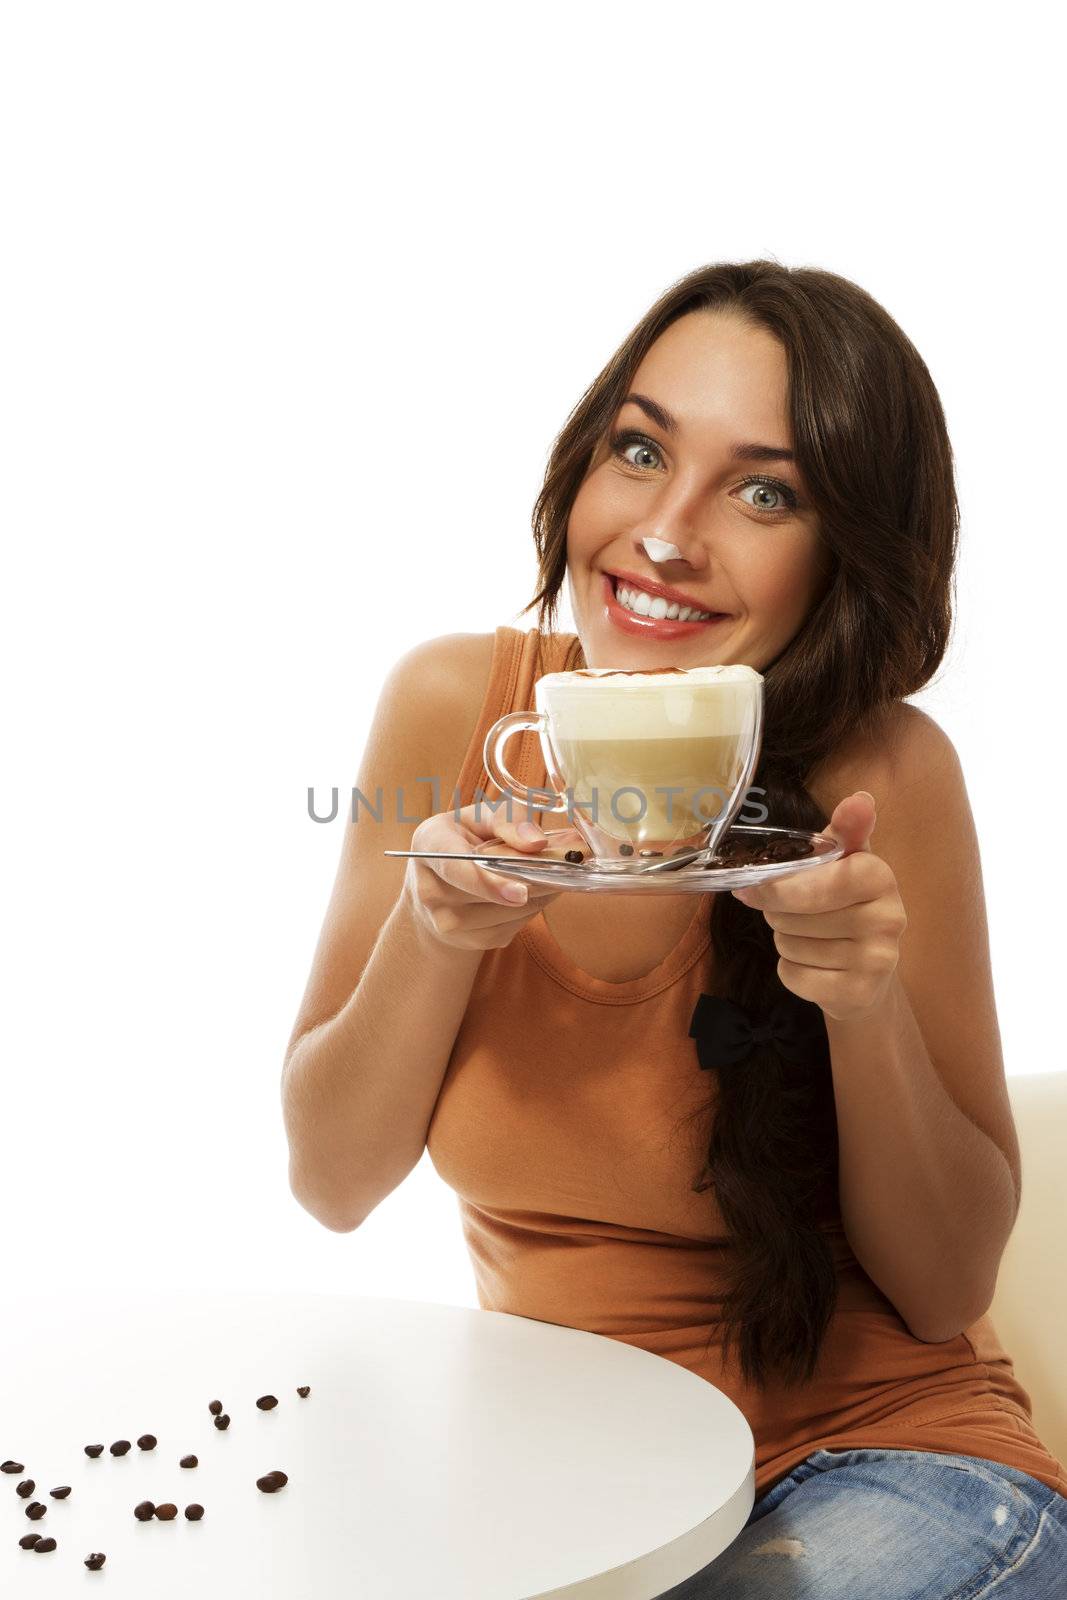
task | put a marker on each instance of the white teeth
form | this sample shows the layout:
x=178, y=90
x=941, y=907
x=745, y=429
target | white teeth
x=646, y=605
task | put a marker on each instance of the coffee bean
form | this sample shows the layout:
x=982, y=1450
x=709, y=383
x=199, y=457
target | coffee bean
x=93, y=1450
x=25, y=1488
x=215, y=1407
x=575, y=856
x=145, y=1511
x=626, y=849
x=651, y=852
x=95, y=1562
x=166, y=1512
x=35, y=1510
x=267, y=1402
x=787, y=849
x=194, y=1512
x=12, y=1466
x=147, y=1441
x=222, y=1423
x=188, y=1461
x=304, y=1390
x=60, y=1494
x=271, y=1482
x=28, y=1540
x=44, y=1545
x=120, y=1447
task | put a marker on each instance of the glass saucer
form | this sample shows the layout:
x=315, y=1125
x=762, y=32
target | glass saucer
x=711, y=877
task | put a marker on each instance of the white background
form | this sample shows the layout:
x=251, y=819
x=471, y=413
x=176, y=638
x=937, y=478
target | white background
x=295, y=300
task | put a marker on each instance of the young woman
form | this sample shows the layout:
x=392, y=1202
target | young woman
x=819, y=1237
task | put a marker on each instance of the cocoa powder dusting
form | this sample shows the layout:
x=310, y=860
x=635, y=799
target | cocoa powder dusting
x=630, y=672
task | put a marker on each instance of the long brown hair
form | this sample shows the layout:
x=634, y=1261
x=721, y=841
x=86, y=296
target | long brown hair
x=870, y=439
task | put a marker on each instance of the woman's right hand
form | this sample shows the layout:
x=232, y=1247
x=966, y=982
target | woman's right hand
x=462, y=903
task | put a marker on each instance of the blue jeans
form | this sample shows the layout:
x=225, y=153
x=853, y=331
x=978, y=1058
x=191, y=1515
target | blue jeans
x=894, y=1525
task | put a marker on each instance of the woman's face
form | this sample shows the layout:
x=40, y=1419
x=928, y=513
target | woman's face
x=747, y=549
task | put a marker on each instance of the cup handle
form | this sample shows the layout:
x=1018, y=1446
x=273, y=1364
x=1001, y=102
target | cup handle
x=493, y=756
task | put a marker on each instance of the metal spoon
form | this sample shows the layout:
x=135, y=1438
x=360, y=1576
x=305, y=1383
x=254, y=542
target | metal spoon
x=667, y=865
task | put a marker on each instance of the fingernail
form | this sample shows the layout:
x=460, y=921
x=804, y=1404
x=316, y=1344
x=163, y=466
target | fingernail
x=516, y=892
x=529, y=831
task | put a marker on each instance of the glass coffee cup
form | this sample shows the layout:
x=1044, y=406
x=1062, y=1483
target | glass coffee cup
x=643, y=762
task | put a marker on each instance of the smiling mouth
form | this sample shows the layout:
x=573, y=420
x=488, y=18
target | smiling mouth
x=630, y=598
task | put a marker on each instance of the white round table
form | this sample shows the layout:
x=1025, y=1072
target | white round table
x=443, y=1453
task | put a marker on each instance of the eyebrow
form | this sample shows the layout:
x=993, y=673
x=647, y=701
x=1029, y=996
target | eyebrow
x=741, y=452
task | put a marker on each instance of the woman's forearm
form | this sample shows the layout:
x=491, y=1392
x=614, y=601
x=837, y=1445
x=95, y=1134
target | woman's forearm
x=359, y=1090
x=927, y=1199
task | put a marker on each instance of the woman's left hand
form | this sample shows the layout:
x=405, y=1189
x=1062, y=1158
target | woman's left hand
x=838, y=928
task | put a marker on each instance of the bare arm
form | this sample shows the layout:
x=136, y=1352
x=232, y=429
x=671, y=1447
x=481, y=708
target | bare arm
x=929, y=1159
x=359, y=1090
x=400, y=946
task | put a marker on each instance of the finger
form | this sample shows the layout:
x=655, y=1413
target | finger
x=853, y=821
x=849, y=923
x=468, y=876
x=540, y=886
x=482, y=823
x=850, y=881
x=831, y=955
x=521, y=835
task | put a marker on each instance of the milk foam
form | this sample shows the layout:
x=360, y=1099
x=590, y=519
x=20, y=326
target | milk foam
x=703, y=701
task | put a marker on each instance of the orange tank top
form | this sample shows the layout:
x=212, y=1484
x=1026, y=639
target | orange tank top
x=561, y=1127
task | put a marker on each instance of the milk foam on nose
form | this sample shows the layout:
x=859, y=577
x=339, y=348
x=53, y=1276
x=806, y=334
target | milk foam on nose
x=660, y=550
x=714, y=700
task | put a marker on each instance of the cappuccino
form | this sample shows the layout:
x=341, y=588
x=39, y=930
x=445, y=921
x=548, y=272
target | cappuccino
x=654, y=756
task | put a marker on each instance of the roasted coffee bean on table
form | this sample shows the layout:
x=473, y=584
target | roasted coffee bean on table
x=626, y=849
x=145, y=1510
x=574, y=855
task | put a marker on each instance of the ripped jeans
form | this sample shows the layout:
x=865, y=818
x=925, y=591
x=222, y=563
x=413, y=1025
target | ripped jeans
x=894, y=1525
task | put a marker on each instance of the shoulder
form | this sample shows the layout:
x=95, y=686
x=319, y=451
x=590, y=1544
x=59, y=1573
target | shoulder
x=439, y=683
x=451, y=661
x=906, y=758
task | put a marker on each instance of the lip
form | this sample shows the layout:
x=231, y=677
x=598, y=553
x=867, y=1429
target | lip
x=656, y=627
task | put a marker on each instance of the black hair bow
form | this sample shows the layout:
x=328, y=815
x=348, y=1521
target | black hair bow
x=726, y=1034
